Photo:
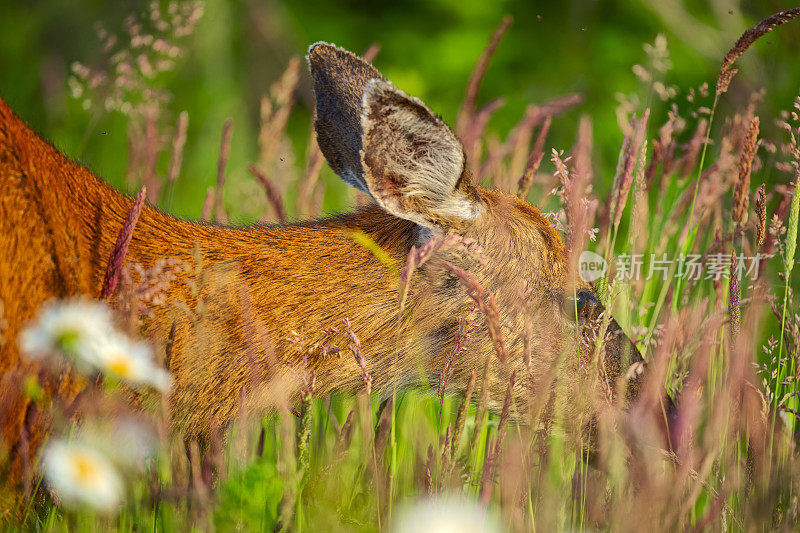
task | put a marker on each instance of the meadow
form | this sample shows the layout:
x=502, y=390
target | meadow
x=693, y=233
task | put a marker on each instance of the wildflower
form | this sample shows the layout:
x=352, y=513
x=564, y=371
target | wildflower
x=67, y=329
x=81, y=476
x=445, y=516
x=132, y=362
x=81, y=332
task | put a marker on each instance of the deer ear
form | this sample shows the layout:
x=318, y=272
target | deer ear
x=340, y=78
x=414, y=166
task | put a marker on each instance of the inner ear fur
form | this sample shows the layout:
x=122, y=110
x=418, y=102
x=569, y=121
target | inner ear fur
x=414, y=165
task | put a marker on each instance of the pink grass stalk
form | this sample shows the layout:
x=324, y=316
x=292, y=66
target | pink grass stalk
x=525, y=182
x=178, y=143
x=687, y=163
x=727, y=71
x=275, y=110
x=504, y=414
x=419, y=256
x=224, y=151
x=461, y=415
x=306, y=190
x=734, y=294
x=486, y=304
x=169, y=346
x=273, y=194
x=151, y=147
x=462, y=337
x=428, y=476
x=472, y=137
x=345, y=436
x=208, y=205
x=447, y=446
x=492, y=457
x=466, y=112
x=631, y=157
x=741, y=199
x=371, y=52
x=383, y=430
x=358, y=353
x=117, y=258
x=761, y=212
x=517, y=145
x=553, y=107
x=487, y=478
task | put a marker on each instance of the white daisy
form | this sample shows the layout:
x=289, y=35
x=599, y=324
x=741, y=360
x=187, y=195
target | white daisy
x=81, y=476
x=132, y=362
x=445, y=515
x=67, y=329
x=81, y=331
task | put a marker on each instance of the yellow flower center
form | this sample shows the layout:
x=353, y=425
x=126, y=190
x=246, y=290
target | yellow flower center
x=121, y=365
x=85, y=469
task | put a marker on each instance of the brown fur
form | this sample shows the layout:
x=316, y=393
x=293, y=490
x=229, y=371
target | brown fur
x=58, y=224
x=340, y=78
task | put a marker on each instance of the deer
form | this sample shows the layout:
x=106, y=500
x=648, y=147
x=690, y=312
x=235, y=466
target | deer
x=231, y=340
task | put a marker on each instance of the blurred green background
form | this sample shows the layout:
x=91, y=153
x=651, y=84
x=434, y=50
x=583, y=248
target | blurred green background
x=428, y=48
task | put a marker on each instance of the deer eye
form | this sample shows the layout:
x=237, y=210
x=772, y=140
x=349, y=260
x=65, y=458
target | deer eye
x=580, y=305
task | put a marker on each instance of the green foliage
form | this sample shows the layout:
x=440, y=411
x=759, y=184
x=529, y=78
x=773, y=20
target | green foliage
x=249, y=499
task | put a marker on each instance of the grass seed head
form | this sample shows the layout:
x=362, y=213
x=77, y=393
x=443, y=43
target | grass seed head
x=741, y=198
x=727, y=70
x=761, y=212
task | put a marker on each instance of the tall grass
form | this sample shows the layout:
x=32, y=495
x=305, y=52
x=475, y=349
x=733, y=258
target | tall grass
x=341, y=462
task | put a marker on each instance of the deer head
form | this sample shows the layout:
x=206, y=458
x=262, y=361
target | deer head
x=394, y=148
